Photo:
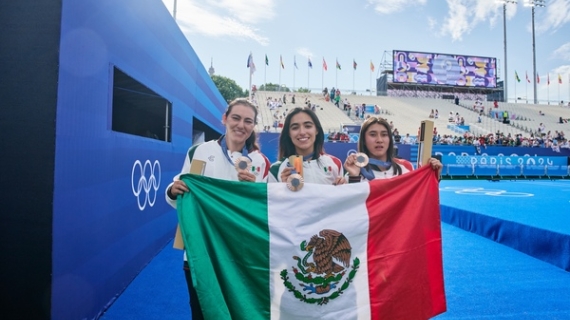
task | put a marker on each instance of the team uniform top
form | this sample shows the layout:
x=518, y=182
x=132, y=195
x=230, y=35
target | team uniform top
x=388, y=174
x=218, y=166
x=323, y=170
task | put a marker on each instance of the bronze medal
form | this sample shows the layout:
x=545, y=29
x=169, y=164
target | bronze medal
x=295, y=182
x=243, y=164
x=361, y=160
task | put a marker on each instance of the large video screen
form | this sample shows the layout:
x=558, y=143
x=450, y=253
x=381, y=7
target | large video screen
x=444, y=69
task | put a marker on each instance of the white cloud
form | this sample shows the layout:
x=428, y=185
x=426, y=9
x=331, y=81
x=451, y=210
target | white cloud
x=456, y=24
x=564, y=71
x=563, y=52
x=224, y=18
x=248, y=11
x=465, y=15
x=305, y=52
x=557, y=14
x=391, y=6
x=432, y=23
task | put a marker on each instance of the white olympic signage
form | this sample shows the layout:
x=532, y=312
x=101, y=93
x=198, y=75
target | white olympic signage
x=146, y=188
x=486, y=192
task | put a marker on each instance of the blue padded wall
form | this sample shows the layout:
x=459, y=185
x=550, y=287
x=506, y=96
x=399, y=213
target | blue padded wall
x=106, y=226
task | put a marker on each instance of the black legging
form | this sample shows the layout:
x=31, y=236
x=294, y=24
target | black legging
x=194, y=302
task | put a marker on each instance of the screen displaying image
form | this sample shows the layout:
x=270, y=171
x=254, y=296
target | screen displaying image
x=444, y=69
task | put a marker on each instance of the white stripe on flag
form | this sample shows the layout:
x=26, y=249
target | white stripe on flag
x=291, y=223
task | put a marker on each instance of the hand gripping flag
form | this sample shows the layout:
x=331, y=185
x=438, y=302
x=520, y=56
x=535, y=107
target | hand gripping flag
x=369, y=250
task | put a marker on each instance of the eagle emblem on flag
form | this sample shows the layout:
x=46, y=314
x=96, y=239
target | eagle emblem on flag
x=325, y=271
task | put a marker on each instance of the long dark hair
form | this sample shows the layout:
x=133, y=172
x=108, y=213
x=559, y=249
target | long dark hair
x=251, y=142
x=286, y=146
x=390, y=154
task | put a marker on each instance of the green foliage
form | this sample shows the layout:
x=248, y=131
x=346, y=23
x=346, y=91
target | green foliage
x=273, y=87
x=303, y=90
x=229, y=89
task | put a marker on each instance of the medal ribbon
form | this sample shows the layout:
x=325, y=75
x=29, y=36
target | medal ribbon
x=224, y=146
x=368, y=173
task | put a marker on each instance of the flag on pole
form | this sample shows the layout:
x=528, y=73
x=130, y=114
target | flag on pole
x=537, y=78
x=250, y=63
x=559, y=78
x=548, y=79
x=310, y=64
x=295, y=62
x=338, y=65
x=517, y=77
x=266, y=60
x=281, y=59
x=354, y=64
x=371, y=66
x=324, y=64
x=360, y=253
x=527, y=79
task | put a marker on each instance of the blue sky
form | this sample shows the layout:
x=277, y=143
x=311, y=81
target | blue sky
x=364, y=30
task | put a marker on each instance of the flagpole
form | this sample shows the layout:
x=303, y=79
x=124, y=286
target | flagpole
x=370, y=81
x=336, y=75
x=294, y=67
x=516, y=92
x=308, y=77
x=526, y=89
x=250, y=75
x=322, y=77
x=353, y=70
x=265, y=75
x=548, y=88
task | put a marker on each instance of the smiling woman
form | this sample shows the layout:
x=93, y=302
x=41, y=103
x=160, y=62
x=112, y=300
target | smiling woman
x=303, y=135
x=220, y=157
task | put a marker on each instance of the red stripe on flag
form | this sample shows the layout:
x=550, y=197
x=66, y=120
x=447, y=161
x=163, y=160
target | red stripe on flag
x=404, y=247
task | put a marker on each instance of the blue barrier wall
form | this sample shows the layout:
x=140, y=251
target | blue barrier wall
x=109, y=218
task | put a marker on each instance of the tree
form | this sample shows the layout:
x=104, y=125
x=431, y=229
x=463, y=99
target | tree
x=229, y=89
x=303, y=90
x=273, y=87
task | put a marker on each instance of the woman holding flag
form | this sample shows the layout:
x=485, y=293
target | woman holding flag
x=303, y=135
x=223, y=158
x=376, y=142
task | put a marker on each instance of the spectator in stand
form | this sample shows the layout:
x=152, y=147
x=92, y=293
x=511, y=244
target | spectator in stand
x=345, y=103
x=432, y=114
x=397, y=136
x=495, y=104
x=337, y=100
x=436, y=115
x=540, y=113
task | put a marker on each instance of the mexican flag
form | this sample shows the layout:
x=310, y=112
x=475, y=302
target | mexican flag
x=369, y=250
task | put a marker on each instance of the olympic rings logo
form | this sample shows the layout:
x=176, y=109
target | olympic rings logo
x=487, y=192
x=147, y=187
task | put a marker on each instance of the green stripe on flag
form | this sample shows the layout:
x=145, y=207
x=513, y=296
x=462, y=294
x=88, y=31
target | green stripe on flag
x=219, y=277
